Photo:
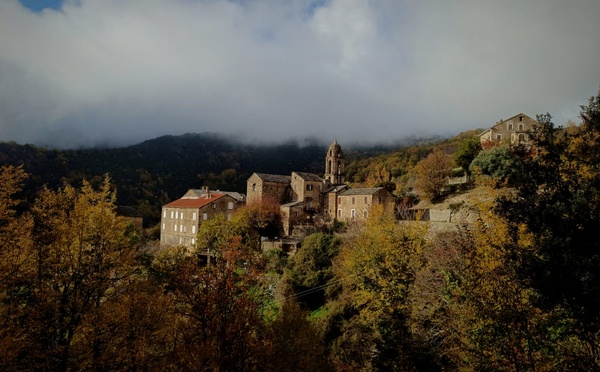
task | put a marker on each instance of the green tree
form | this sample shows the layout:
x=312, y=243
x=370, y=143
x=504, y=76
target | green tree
x=311, y=268
x=500, y=163
x=467, y=151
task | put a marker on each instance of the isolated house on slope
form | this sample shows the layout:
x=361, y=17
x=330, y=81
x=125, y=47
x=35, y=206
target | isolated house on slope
x=514, y=131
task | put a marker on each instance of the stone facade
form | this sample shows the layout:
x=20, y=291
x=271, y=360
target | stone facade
x=335, y=164
x=181, y=219
x=306, y=198
x=263, y=187
x=355, y=204
x=513, y=131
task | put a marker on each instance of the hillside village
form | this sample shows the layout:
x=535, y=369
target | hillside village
x=476, y=253
x=307, y=201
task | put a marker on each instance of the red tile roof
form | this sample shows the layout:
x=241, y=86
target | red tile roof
x=194, y=203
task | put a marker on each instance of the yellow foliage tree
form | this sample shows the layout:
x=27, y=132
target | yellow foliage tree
x=377, y=268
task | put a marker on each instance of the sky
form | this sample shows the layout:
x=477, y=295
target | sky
x=80, y=73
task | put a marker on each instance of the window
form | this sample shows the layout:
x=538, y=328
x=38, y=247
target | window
x=339, y=213
x=204, y=216
x=181, y=215
x=194, y=216
x=353, y=200
x=163, y=226
x=180, y=228
x=510, y=126
x=214, y=205
x=520, y=126
x=521, y=137
x=193, y=241
x=520, y=118
x=180, y=240
x=176, y=215
x=365, y=202
x=165, y=213
x=498, y=137
x=352, y=214
x=229, y=217
x=171, y=214
x=175, y=228
x=309, y=187
x=230, y=205
x=253, y=187
x=340, y=200
x=193, y=229
x=365, y=214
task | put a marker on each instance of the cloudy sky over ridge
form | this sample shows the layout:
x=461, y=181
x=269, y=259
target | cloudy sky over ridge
x=87, y=72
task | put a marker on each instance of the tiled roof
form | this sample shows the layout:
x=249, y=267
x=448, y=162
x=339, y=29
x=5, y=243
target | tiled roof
x=274, y=178
x=195, y=203
x=362, y=191
x=309, y=176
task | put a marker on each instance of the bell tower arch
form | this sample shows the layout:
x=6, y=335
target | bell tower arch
x=334, y=164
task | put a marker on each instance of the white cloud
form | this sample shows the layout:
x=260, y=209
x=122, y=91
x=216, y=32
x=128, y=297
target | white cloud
x=123, y=71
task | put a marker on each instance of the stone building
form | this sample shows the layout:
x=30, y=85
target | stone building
x=355, y=204
x=263, y=187
x=306, y=198
x=513, y=131
x=335, y=164
x=181, y=219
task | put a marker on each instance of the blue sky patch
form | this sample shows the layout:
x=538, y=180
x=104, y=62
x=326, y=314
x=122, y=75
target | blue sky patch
x=39, y=5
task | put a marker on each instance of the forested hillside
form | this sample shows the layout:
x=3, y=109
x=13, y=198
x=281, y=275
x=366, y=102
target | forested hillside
x=154, y=172
x=149, y=174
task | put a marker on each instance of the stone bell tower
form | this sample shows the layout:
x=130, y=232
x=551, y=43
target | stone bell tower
x=334, y=164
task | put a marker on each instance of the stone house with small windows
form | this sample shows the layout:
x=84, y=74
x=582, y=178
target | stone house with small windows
x=355, y=204
x=181, y=219
x=263, y=187
x=513, y=131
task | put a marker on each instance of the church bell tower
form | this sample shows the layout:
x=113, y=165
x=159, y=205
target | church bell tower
x=334, y=164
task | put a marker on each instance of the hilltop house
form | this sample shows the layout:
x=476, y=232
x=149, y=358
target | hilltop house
x=182, y=218
x=513, y=131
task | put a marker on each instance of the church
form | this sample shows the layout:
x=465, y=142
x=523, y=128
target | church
x=305, y=199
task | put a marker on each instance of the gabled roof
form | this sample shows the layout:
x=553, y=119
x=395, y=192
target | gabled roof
x=362, y=191
x=502, y=123
x=309, y=176
x=195, y=203
x=274, y=178
x=197, y=193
